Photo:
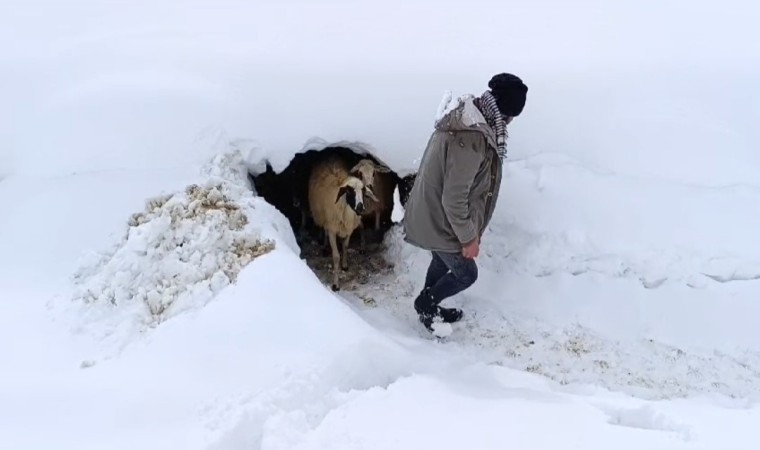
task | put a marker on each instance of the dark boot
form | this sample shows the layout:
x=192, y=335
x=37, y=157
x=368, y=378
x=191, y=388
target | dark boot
x=450, y=315
x=426, y=309
x=424, y=303
x=429, y=311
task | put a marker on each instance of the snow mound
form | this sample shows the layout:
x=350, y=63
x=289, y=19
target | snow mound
x=182, y=249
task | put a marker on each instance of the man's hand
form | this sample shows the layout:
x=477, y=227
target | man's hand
x=471, y=250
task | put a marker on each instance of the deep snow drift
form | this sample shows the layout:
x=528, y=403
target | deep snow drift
x=179, y=253
x=275, y=360
x=617, y=299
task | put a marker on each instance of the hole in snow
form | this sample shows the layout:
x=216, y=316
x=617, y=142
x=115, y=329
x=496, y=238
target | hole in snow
x=288, y=192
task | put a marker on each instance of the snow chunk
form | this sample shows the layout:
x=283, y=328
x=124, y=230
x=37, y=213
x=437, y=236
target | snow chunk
x=182, y=249
x=444, y=107
x=442, y=329
x=470, y=113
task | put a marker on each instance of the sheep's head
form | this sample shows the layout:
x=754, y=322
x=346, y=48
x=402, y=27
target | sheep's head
x=353, y=190
x=365, y=170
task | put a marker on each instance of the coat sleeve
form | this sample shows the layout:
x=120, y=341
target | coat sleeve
x=463, y=160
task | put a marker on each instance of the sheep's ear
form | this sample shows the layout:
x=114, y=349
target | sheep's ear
x=381, y=169
x=370, y=194
x=342, y=191
x=355, y=169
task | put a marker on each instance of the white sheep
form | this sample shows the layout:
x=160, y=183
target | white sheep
x=379, y=185
x=336, y=201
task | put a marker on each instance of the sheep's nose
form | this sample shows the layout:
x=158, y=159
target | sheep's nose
x=360, y=208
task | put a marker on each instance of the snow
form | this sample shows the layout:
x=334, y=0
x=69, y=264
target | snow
x=616, y=303
x=397, y=215
x=183, y=250
x=445, y=107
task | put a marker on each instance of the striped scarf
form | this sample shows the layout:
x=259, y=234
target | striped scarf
x=493, y=116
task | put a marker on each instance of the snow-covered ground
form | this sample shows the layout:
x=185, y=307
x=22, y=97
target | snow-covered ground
x=617, y=298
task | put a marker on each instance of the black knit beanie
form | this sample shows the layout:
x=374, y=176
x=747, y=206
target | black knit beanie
x=510, y=93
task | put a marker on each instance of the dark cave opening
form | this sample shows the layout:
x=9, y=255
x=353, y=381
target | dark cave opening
x=288, y=192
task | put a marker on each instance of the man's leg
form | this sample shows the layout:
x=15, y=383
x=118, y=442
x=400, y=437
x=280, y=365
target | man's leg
x=463, y=272
x=436, y=270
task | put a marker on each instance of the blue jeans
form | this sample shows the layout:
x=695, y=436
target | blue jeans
x=449, y=274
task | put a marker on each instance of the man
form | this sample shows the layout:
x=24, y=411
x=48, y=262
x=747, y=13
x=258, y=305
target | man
x=456, y=189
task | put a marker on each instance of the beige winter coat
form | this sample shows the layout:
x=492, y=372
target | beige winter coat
x=457, y=185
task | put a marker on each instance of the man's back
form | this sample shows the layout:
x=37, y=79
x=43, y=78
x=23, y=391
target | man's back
x=459, y=171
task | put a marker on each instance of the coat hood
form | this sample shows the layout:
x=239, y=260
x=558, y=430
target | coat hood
x=465, y=116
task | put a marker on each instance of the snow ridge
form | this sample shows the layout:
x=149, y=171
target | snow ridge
x=182, y=249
